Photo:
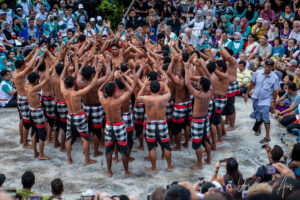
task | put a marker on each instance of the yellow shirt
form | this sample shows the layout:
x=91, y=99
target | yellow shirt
x=258, y=33
x=244, y=77
x=297, y=81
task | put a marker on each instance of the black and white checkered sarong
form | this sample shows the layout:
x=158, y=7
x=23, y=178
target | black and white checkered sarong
x=78, y=122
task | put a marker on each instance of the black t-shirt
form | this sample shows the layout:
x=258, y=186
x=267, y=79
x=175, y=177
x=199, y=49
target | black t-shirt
x=281, y=7
x=144, y=7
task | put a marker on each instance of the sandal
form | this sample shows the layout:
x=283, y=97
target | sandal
x=258, y=133
x=265, y=140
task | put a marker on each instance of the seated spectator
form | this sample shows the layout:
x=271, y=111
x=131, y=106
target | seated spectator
x=169, y=34
x=152, y=19
x=210, y=21
x=240, y=8
x=168, y=9
x=232, y=173
x=297, y=78
x=209, y=6
x=243, y=57
x=205, y=41
x=290, y=69
x=288, y=14
x=250, y=45
x=243, y=77
x=237, y=45
x=42, y=14
x=264, y=49
x=225, y=24
x=189, y=38
x=274, y=155
x=295, y=34
x=251, y=14
x=286, y=31
x=277, y=50
x=283, y=105
x=291, y=48
x=256, y=64
x=225, y=41
x=28, y=180
x=267, y=13
x=177, y=192
x=2, y=180
x=158, y=194
x=217, y=38
x=183, y=25
x=31, y=33
x=224, y=9
x=294, y=163
x=8, y=12
x=187, y=8
x=258, y=29
x=244, y=28
x=141, y=8
x=234, y=27
x=19, y=14
x=57, y=189
x=272, y=33
x=133, y=21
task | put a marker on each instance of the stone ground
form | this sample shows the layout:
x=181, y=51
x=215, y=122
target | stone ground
x=241, y=144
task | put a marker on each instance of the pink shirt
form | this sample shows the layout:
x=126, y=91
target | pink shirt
x=271, y=16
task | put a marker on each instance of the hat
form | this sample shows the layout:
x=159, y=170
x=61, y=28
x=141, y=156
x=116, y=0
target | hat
x=92, y=19
x=260, y=20
x=237, y=19
x=269, y=62
x=18, y=9
x=62, y=2
x=2, y=178
x=99, y=18
x=80, y=6
x=293, y=62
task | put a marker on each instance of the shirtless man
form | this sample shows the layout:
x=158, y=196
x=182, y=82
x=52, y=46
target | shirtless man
x=115, y=131
x=19, y=81
x=92, y=106
x=117, y=55
x=77, y=118
x=36, y=112
x=233, y=88
x=156, y=127
x=200, y=121
x=220, y=98
x=182, y=111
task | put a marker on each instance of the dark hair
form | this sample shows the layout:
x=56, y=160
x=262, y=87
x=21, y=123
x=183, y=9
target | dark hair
x=30, y=19
x=160, y=36
x=276, y=153
x=206, y=186
x=81, y=38
x=232, y=170
x=252, y=35
x=27, y=52
x=183, y=18
x=110, y=89
x=165, y=48
x=124, y=67
x=152, y=75
x=260, y=196
x=164, y=52
x=280, y=192
x=177, y=192
x=259, y=58
x=166, y=66
x=120, y=84
x=185, y=56
x=295, y=155
x=57, y=186
x=242, y=63
x=281, y=93
x=167, y=59
x=87, y=72
x=294, y=40
x=42, y=67
x=2, y=179
x=222, y=63
x=69, y=81
x=137, y=69
x=289, y=23
x=28, y=179
x=197, y=52
x=265, y=36
x=154, y=86
x=19, y=64
x=32, y=77
x=121, y=24
x=291, y=78
x=229, y=50
x=205, y=82
x=114, y=45
x=183, y=72
x=4, y=72
x=211, y=66
x=279, y=40
x=292, y=86
x=59, y=68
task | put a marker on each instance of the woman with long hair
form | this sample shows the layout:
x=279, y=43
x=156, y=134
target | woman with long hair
x=286, y=31
x=251, y=14
x=240, y=9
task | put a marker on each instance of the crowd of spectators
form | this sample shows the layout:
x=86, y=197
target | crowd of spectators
x=253, y=31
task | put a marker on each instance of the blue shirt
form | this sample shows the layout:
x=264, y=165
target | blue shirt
x=264, y=87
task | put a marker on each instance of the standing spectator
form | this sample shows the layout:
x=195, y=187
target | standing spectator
x=81, y=16
x=174, y=23
x=26, y=5
x=268, y=13
x=251, y=14
x=265, y=84
x=141, y=8
x=243, y=77
x=295, y=34
x=286, y=31
x=7, y=92
x=9, y=12
x=198, y=22
x=133, y=22
x=264, y=49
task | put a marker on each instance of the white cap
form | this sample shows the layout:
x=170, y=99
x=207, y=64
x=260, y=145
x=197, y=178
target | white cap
x=80, y=6
x=260, y=20
x=92, y=19
x=19, y=9
x=99, y=18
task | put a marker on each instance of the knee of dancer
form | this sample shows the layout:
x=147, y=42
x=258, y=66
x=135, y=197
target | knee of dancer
x=166, y=145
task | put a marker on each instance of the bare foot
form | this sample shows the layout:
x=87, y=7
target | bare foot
x=130, y=159
x=70, y=161
x=98, y=153
x=229, y=128
x=140, y=147
x=27, y=146
x=208, y=161
x=49, y=141
x=176, y=149
x=127, y=174
x=109, y=174
x=147, y=158
x=195, y=167
x=44, y=157
x=227, y=122
x=90, y=162
x=154, y=171
x=63, y=149
x=171, y=168
x=203, y=153
x=219, y=142
x=115, y=160
x=214, y=147
x=35, y=155
x=185, y=145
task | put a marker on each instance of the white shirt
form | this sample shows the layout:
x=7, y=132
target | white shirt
x=295, y=35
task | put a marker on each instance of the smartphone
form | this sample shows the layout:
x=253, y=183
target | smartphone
x=223, y=160
x=270, y=170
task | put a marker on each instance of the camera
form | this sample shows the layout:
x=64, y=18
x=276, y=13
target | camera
x=223, y=160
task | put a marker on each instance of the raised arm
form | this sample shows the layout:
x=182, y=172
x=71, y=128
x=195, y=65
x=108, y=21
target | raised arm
x=30, y=64
x=227, y=56
x=188, y=81
x=139, y=96
x=93, y=83
x=175, y=80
